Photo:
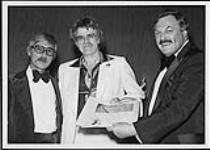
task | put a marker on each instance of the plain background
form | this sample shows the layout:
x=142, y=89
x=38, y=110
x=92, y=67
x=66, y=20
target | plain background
x=127, y=30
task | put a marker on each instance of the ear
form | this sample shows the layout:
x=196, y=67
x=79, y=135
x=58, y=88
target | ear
x=100, y=36
x=185, y=33
x=54, y=57
x=28, y=52
x=98, y=40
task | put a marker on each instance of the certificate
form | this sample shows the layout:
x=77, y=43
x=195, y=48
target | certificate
x=97, y=115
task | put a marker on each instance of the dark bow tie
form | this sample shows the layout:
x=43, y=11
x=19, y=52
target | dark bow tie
x=44, y=76
x=166, y=61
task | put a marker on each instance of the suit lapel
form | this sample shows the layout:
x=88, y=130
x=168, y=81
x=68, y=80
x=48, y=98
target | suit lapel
x=73, y=78
x=58, y=97
x=148, y=100
x=104, y=74
x=23, y=96
x=59, y=116
x=171, y=69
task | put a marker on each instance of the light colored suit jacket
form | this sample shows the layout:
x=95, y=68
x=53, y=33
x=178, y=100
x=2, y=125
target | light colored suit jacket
x=115, y=79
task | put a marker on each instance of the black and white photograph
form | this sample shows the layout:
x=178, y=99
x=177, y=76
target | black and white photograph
x=91, y=74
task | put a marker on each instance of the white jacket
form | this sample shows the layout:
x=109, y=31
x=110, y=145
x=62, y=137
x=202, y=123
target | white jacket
x=114, y=80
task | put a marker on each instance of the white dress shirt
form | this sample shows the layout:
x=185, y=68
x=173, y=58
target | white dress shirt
x=156, y=89
x=43, y=101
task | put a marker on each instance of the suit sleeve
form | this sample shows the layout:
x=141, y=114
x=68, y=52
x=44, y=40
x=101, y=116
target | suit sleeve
x=128, y=79
x=184, y=96
x=60, y=81
x=130, y=85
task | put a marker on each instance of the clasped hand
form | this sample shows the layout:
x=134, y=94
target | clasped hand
x=122, y=129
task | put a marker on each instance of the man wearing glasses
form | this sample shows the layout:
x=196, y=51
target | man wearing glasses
x=34, y=110
x=94, y=76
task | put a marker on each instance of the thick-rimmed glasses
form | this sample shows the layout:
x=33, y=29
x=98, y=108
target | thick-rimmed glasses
x=81, y=39
x=41, y=49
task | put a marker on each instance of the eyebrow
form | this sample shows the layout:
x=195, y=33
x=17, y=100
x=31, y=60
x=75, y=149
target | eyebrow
x=156, y=29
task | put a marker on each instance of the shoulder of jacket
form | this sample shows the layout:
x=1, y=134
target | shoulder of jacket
x=18, y=75
x=195, y=56
x=68, y=63
x=116, y=57
x=13, y=78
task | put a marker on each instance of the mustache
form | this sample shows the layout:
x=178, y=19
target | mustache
x=86, y=45
x=164, y=41
x=42, y=59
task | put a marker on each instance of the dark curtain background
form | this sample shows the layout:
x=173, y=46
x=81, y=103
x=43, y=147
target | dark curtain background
x=127, y=30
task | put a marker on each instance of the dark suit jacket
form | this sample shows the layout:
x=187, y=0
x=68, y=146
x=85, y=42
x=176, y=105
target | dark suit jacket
x=20, y=111
x=178, y=115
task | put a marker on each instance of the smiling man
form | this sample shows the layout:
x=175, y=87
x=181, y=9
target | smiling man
x=94, y=76
x=174, y=112
x=170, y=36
x=34, y=111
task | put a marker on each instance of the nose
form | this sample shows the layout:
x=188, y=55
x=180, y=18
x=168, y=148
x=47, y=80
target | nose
x=162, y=36
x=86, y=39
x=44, y=53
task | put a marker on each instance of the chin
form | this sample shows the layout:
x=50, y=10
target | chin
x=166, y=52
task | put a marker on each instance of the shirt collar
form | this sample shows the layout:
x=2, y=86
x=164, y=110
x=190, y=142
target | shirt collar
x=176, y=54
x=29, y=73
x=101, y=59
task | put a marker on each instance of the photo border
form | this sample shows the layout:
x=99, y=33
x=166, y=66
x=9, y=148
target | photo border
x=6, y=4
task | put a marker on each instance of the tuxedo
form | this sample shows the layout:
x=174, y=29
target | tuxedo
x=20, y=110
x=178, y=112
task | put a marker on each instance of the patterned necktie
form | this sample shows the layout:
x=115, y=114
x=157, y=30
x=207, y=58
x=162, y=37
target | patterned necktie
x=44, y=76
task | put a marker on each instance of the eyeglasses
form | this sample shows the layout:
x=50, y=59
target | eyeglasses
x=81, y=39
x=41, y=49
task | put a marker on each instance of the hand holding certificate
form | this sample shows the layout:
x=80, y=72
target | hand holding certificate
x=95, y=114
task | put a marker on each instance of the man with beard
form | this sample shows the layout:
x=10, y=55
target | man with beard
x=174, y=112
x=34, y=111
x=94, y=76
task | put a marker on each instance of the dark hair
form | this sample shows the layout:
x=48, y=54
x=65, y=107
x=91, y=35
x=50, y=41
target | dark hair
x=184, y=25
x=88, y=22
